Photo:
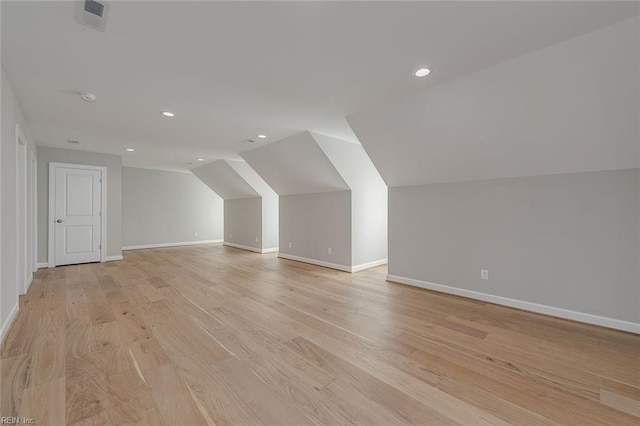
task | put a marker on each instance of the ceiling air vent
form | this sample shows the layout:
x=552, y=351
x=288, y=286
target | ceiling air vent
x=92, y=14
x=94, y=7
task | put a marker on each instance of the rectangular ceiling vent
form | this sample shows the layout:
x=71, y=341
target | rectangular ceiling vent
x=92, y=14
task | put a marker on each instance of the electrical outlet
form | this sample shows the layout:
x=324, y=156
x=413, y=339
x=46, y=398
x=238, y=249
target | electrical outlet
x=230, y=236
x=484, y=274
x=257, y=239
x=330, y=250
x=289, y=244
x=195, y=234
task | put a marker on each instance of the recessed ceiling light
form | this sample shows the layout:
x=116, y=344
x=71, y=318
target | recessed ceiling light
x=200, y=159
x=73, y=142
x=130, y=149
x=262, y=136
x=168, y=114
x=422, y=72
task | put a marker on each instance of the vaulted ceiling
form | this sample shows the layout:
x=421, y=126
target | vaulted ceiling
x=233, y=70
x=224, y=180
x=296, y=165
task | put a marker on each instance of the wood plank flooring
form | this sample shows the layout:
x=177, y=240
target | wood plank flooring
x=213, y=335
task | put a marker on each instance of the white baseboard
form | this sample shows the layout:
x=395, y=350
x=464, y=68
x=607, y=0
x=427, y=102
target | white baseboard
x=242, y=247
x=315, y=262
x=364, y=266
x=28, y=283
x=524, y=305
x=249, y=248
x=7, y=323
x=109, y=259
x=184, y=243
x=345, y=268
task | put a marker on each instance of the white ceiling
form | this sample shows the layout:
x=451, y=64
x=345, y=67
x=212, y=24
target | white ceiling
x=571, y=107
x=296, y=165
x=232, y=70
x=224, y=180
x=256, y=181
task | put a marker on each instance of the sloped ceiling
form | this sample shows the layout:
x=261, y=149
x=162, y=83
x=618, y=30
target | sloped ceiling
x=252, y=178
x=295, y=165
x=570, y=107
x=233, y=69
x=224, y=180
x=351, y=161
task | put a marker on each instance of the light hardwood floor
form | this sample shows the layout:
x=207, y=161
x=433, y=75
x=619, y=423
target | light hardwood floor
x=215, y=335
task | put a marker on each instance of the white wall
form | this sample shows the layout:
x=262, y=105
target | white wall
x=314, y=200
x=270, y=214
x=243, y=222
x=161, y=207
x=560, y=228
x=242, y=188
x=309, y=169
x=315, y=222
x=270, y=221
x=9, y=281
x=569, y=241
x=368, y=199
x=113, y=163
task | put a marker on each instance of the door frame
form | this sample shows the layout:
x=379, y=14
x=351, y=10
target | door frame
x=52, y=209
x=34, y=211
x=24, y=275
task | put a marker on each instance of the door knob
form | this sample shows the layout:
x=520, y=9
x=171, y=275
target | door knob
x=59, y=221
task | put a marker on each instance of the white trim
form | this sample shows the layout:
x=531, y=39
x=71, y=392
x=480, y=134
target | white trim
x=23, y=263
x=185, y=243
x=241, y=247
x=524, y=305
x=112, y=258
x=103, y=209
x=315, y=262
x=43, y=265
x=254, y=249
x=8, y=322
x=373, y=264
x=27, y=285
x=34, y=211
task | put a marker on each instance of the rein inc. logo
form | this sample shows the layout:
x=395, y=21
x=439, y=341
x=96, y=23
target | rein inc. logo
x=17, y=421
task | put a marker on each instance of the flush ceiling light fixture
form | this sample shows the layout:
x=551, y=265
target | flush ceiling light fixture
x=422, y=72
x=168, y=114
x=130, y=149
x=262, y=136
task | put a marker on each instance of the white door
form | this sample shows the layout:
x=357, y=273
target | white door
x=77, y=215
